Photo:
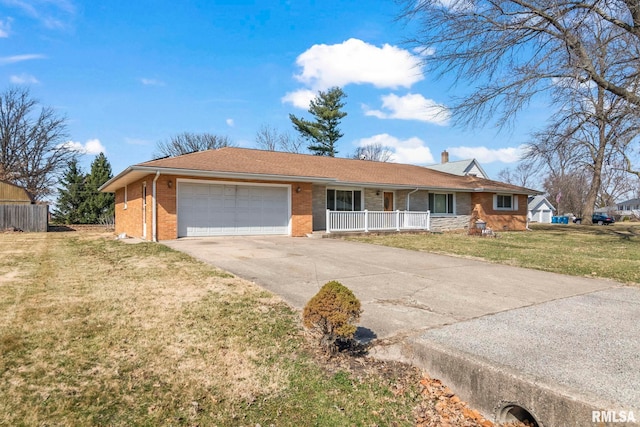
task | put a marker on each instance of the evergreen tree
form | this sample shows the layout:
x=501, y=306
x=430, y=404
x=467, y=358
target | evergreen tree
x=323, y=133
x=71, y=196
x=98, y=206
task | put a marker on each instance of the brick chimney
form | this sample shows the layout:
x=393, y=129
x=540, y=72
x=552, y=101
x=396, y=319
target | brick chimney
x=445, y=157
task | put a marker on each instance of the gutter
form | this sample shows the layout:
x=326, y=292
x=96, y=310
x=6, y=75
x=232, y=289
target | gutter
x=154, y=210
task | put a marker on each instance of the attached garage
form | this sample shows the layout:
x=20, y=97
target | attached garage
x=232, y=209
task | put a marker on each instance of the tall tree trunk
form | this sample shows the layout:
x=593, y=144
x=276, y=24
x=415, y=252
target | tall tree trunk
x=598, y=158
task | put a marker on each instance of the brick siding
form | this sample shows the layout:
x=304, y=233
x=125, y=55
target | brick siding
x=129, y=220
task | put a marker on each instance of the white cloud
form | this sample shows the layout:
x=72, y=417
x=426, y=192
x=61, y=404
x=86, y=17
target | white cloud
x=4, y=60
x=300, y=98
x=570, y=83
x=23, y=79
x=357, y=62
x=53, y=14
x=412, y=150
x=152, y=82
x=488, y=155
x=230, y=122
x=423, y=51
x=411, y=107
x=5, y=27
x=92, y=146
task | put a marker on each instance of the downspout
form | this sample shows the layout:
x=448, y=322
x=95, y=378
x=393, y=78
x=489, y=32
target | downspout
x=154, y=210
x=409, y=199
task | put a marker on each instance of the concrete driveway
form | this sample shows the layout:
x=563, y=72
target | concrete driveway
x=464, y=319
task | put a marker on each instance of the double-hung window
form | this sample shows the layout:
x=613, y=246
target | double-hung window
x=344, y=200
x=441, y=203
x=505, y=202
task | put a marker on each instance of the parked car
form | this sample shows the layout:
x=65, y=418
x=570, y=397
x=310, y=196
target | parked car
x=598, y=218
x=602, y=219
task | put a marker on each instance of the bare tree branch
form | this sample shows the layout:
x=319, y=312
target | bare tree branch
x=510, y=51
x=375, y=152
x=187, y=142
x=270, y=139
x=32, y=145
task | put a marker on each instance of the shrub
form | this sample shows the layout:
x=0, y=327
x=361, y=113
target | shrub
x=331, y=313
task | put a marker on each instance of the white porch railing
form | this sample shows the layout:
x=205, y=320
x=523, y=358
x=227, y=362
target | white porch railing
x=377, y=220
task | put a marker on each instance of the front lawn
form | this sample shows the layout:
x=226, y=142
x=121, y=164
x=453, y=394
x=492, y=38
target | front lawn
x=597, y=251
x=98, y=332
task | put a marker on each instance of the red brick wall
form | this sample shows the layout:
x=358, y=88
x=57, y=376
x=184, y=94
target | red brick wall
x=130, y=220
x=167, y=207
x=301, y=209
x=498, y=220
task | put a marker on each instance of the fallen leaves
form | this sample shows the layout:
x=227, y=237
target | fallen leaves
x=440, y=407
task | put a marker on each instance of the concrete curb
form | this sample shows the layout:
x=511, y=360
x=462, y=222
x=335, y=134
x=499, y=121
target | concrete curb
x=494, y=389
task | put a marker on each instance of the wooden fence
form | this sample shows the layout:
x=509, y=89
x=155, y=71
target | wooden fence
x=24, y=217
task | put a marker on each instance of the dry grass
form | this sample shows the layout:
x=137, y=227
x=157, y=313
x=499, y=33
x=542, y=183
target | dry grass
x=97, y=332
x=611, y=252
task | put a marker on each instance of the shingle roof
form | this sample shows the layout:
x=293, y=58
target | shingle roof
x=458, y=167
x=539, y=200
x=278, y=165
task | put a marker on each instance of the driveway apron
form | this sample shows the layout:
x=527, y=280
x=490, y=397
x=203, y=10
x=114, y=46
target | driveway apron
x=577, y=337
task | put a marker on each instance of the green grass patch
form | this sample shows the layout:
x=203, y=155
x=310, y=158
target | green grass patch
x=611, y=252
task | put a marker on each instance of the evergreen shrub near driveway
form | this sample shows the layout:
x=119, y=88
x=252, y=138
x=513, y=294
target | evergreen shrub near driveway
x=331, y=313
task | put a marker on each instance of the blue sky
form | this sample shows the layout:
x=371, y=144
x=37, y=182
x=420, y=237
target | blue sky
x=129, y=73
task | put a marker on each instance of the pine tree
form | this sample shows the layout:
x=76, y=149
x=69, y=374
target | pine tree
x=98, y=207
x=71, y=196
x=323, y=133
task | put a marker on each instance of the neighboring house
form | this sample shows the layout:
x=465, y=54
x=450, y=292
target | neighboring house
x=469, y=167
x=540, y=209
x=628, y=206
x=238, y=191
x=11, y=194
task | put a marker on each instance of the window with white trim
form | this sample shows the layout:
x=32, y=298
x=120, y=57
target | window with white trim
x=344, y=200
x=505, y=202
x=442, y=203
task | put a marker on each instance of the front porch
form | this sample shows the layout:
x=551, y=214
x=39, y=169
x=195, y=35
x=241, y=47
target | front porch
x=366, y=221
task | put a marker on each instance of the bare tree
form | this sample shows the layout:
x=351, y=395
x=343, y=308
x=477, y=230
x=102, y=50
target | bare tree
x=585, y=55
x=290, y=144
x=525, y=174
x=569, y=192
x=32, y=143
x=617, y=185
x=375, y=152
x=512, y=50
x=270, y=139
x=595, y=130
x=187, y=142
x=267, y=138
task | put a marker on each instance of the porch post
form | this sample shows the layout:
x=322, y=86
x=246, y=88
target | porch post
x=428, y=220
x=328, y=221
x=397, y=220
x=366, y=221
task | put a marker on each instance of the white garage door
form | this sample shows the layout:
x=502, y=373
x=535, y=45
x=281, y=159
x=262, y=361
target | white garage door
x=227, y=209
